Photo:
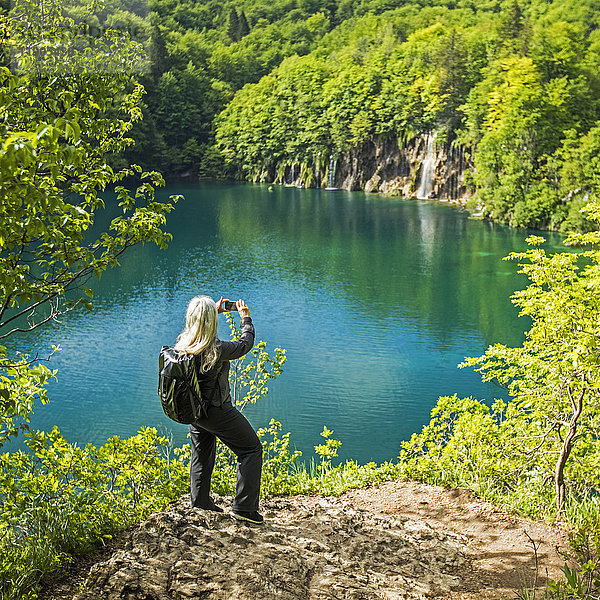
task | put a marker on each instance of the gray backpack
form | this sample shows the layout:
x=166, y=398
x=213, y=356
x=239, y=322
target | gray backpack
x=178, y=386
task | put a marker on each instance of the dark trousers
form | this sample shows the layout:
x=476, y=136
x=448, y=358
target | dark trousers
x=228, y=424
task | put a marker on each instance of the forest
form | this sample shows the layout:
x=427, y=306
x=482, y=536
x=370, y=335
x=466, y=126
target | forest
x=241, y=89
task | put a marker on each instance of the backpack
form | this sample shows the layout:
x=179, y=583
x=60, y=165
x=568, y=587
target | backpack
x=178, y=386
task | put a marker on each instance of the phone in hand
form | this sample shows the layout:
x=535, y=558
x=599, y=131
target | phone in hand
x=229, y=305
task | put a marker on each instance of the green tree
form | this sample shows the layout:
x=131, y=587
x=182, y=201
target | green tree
x=554, y=376
x=233, y=25
x=511, y=26
x=61, y=121
x=244, y=28
x=159, y=56
x=506, y=156
x=454, y=78
x=54, y=166
x=66, y=109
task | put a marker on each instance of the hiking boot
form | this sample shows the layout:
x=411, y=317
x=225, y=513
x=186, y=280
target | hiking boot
x=250, y=517
x=211, y=506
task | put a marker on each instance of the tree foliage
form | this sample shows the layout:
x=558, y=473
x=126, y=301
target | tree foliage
x=550, y=429
x=514, y=87
x=61, y=120
x=63, y=114
x=217, y=47
x=68, y=104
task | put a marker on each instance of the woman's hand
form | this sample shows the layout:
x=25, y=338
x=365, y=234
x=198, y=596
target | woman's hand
x=242, y=309
x=220, y=305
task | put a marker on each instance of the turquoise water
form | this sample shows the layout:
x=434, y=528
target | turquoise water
x=376, y=301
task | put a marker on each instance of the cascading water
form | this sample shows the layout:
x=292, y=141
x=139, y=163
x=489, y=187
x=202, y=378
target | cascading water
x=331, y=172
x=292, y=175
x=426, y=186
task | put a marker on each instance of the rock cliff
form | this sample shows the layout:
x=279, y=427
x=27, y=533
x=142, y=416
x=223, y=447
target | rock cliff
x=390, y=167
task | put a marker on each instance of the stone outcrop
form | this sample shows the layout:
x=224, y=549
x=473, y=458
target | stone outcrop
x=387, y=166
x=311, y=548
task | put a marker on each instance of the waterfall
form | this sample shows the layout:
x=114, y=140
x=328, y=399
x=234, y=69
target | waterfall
x=331, y=172
x=292, y=175
x=427, y=167
x=454, y=159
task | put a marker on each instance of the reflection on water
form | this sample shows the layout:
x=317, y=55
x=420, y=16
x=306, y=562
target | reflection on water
x=376, y=301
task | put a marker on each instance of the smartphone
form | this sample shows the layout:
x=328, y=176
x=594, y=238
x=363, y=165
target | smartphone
x=229, y=305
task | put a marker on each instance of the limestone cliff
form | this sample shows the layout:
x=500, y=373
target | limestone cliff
x=387, y=166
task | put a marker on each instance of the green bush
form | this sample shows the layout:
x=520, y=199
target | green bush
x=60, y=500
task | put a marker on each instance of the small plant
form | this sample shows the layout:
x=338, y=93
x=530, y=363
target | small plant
x=582, y=581
x=530, y=592
x=279, y=462
x=327, y=451
x=248, y=375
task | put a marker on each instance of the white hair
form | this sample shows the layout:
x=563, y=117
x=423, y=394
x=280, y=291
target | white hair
x=200, y=333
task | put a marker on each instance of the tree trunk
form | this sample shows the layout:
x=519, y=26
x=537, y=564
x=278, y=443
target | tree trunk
x=559, y=478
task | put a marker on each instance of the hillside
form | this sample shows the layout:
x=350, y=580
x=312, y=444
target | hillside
x=284, y=91
x=506, y=92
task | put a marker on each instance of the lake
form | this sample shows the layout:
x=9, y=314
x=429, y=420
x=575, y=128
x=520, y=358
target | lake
x=375, y=299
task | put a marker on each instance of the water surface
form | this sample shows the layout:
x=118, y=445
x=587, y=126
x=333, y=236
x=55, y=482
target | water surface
x=376, y=301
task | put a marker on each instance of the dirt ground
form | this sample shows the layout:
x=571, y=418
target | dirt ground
x=499, y=546
x=503, y=553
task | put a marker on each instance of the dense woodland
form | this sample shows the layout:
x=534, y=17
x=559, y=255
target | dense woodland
x=239, y=89
x=235, y=88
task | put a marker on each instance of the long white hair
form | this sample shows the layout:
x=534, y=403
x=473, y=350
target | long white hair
x=200, y=333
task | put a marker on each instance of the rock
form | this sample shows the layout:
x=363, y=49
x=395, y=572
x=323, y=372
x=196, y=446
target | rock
x=384, y=165
x=373, y=184
x=314, y=550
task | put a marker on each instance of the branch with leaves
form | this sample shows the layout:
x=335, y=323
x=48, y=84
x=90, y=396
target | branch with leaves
x=63, y=114
x=250, y=374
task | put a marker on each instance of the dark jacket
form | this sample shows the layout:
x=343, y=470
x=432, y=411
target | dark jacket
x=214, y=384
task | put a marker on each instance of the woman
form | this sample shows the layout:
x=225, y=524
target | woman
x=223, y=420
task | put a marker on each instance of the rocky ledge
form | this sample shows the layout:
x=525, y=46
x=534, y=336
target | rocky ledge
x=309, y=548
